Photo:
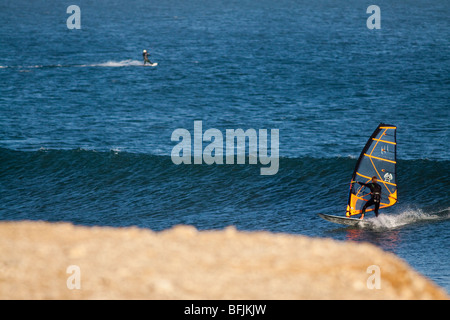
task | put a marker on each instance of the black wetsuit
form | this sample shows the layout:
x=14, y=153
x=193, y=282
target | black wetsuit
x=145, y=56
x=375, y=190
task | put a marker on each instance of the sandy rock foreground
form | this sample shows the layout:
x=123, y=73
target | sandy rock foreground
x=40, y=260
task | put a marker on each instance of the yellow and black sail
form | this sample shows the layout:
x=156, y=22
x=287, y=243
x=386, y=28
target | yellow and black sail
x=378, y=158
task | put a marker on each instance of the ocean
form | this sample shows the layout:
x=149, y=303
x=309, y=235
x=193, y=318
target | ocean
x=86, y=131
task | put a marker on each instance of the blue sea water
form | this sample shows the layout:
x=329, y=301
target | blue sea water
x=85, y=130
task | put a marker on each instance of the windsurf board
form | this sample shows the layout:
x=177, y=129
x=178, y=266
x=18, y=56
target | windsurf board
x=346, y=221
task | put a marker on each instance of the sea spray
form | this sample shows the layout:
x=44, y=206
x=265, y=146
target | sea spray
x=406, y=217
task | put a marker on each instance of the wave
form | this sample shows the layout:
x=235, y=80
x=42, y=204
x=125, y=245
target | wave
x=305, y=183
x=119, y=188
x=418, y=172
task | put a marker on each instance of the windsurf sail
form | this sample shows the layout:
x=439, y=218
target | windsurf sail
x=378, y=158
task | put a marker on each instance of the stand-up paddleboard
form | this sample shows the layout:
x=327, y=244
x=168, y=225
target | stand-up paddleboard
x=352, y=222
x=377, y=159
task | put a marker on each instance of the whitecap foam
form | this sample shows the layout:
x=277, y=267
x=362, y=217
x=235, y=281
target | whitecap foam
x=115, y=150
x=122, y=63
x=32, y=67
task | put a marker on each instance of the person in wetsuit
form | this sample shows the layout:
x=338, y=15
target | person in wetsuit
x=145, y=55
x=375, y=191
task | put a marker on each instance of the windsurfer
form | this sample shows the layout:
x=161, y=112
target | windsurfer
x=375, y=191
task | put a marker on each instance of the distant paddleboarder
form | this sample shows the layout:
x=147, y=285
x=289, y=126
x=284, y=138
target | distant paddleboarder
x=145, y=55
